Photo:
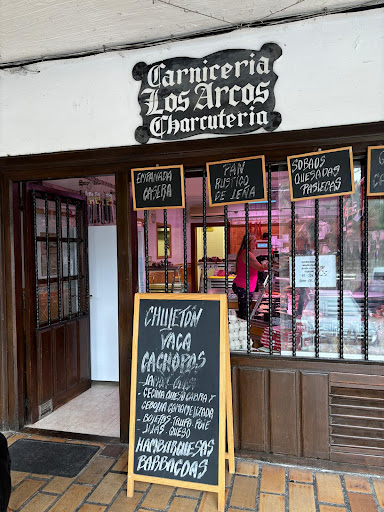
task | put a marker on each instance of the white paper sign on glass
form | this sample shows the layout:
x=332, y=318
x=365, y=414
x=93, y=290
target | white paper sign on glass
x=305, y=271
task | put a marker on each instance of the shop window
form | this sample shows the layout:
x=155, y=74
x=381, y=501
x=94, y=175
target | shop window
x=341, y=317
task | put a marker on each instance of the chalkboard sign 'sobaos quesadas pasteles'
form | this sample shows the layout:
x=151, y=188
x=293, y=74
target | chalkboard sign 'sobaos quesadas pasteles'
x=321, y=174
x=236, y=181
x=158, y=187
x=180, y=370
x=375, y=171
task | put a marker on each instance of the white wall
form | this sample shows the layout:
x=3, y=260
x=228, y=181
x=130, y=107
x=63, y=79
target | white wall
x=102, y=245
x=331, y=73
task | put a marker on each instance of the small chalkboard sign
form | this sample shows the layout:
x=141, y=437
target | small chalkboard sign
x=179, y=392
x=375, y=171
x=321, y=174
x=236, y=181
x=158, y=187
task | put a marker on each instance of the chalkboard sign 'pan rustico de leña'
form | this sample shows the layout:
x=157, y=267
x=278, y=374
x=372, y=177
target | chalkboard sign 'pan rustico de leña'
x=236, y=181
x=158, y=187
x=375, y=171
x=179, y=385
x=321, y=174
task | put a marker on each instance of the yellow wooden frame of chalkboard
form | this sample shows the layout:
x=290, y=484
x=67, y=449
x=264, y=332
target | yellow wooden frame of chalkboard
x=225, y=400
x=289, y=158
x=157, y=169
x=369, y=193
x=262, y=157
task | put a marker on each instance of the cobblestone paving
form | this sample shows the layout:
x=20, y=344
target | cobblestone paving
x=259, y=487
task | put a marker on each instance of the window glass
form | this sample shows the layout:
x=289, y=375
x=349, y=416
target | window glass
x=376, y=277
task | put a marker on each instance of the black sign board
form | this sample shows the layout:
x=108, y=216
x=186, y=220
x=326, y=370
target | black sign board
x=236, y=181
x=158, y=187
x=226, y=92
x=178, y=391
x=321, y=174
x=375, y=171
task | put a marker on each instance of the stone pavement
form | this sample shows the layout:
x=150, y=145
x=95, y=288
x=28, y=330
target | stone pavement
x=259, y=487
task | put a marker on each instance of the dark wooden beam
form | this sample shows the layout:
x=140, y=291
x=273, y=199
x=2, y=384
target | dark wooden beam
x=8, y=342
x=192, y=153
x=127, y=287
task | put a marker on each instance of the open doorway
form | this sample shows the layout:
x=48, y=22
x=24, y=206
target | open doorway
x=68, y=250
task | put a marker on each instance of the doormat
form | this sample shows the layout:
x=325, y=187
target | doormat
x=49, y=458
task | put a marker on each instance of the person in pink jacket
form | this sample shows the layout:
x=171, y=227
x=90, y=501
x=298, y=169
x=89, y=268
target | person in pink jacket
x=239, y=285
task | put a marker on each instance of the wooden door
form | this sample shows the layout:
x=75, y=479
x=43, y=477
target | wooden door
x=56, y=306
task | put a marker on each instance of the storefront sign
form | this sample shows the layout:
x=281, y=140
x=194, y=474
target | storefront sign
x=227, y=92
x=321, y=174
x=375, y=170
x=236, y=181
x=158, y=187
x=305, y=271
x=180, y=369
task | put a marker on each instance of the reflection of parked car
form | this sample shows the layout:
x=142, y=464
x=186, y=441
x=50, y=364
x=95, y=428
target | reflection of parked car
x=353, y=324
x=377, y=283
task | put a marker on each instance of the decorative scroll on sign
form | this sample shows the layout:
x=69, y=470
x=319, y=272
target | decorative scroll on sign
x=375, y=170
x=227, y=92
x=180, y=378
x=236, y=181
x=321, y=174
x=158, y=187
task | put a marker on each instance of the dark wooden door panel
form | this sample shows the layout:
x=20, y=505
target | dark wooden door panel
x=283, y=399
x=56, y=297
x=84, y=348
x=45, y=376
x=315, y=414
x=252, y=409
x=60, y=361
x=72, y=353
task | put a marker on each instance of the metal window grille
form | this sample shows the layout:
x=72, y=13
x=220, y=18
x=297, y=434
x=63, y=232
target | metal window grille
x=295, y=331
x=53, y=287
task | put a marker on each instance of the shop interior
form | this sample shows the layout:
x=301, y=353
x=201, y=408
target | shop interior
x=97, y=410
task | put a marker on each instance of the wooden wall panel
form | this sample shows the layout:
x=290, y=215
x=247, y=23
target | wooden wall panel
x=85, y=348
x=72, y=343
x=45, y=378
x=59, y=360
x=315, y=414
x=284, y=401
x=252, y=409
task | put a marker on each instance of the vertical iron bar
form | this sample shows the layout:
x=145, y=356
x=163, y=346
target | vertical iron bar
x=36, y=262
x=226, y=247
x=293, y=277
x=47, y=257
x=341, y=277
x=246, y=209
x=365, y=262
x=78, y=256
x=165, y=251
x=269, y=192
x=58, y=263
x=85, y=221
x=317, y=312
x=205, y=231
x=146, y=250
x=69, y=265
x=185, y=242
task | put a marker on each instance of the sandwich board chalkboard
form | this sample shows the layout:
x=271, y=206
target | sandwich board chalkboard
x=158, y=187
x=375, y=171
x=236, y=181
x=181, y=404
x=321, y=174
